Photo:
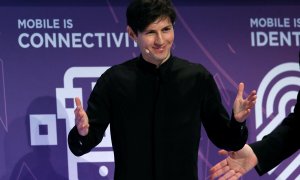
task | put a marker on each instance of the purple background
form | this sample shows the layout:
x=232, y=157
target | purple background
x=217, y=37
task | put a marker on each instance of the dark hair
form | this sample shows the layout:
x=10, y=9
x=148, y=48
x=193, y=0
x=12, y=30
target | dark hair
x=141, y=13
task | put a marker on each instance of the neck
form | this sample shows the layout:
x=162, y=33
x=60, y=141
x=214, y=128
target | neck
x=157, y=66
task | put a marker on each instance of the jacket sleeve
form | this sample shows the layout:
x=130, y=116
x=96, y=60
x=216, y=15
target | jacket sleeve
x=223, y=131
x=280, y=144
x=98, y=112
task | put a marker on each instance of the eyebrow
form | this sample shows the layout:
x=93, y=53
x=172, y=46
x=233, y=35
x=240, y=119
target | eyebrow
x=167, y=26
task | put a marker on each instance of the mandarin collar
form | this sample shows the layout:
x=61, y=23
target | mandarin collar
x=151, y=68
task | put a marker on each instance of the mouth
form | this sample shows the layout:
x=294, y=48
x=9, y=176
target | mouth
x=159, y=49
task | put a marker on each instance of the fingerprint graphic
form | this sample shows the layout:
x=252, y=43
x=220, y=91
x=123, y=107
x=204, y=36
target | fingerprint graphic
x=277, y=95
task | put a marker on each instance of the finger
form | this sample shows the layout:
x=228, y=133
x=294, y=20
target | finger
x=251, y=105
x=251, y=101
x=77, y=102
x=233, y=177
x=82, y=125
x=218, y=166
x=240, y=90
x=227, y=175
x=244, y=114
x=79, y=114
x=77, y=110
x=223, y=152
x=79, y=122
x=253, y=92
x=81, y=118
x=252, y=96
x=236, y=176
x=219, y=172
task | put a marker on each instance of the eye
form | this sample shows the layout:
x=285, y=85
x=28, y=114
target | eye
x=167, y=29
x=150, y=32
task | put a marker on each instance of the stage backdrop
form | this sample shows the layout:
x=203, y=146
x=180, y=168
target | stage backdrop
x=49, y=55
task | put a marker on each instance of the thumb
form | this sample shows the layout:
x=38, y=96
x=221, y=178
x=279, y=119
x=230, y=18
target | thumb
x=223, y=152
x=240, y=90
x=77, y=102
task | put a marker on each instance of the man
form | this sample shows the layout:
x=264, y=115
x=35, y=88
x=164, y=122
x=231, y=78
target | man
x=155, y=105
x=266, y=154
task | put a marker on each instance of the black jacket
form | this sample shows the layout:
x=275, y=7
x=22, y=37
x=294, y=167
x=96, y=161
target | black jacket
x=155, y=115
x=280, y=143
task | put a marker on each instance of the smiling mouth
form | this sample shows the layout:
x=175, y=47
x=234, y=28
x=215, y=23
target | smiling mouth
x=159, y=49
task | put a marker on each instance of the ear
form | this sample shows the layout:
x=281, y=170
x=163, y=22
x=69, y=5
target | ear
x=131, y=33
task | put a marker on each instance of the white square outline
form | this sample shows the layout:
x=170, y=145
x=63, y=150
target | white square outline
x=43, y=119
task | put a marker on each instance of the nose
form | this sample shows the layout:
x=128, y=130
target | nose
x=159, y=39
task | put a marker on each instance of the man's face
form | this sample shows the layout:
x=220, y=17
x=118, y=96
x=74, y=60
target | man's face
x=155, y=42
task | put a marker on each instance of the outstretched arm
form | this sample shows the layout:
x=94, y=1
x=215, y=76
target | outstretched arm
x=235, y=165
